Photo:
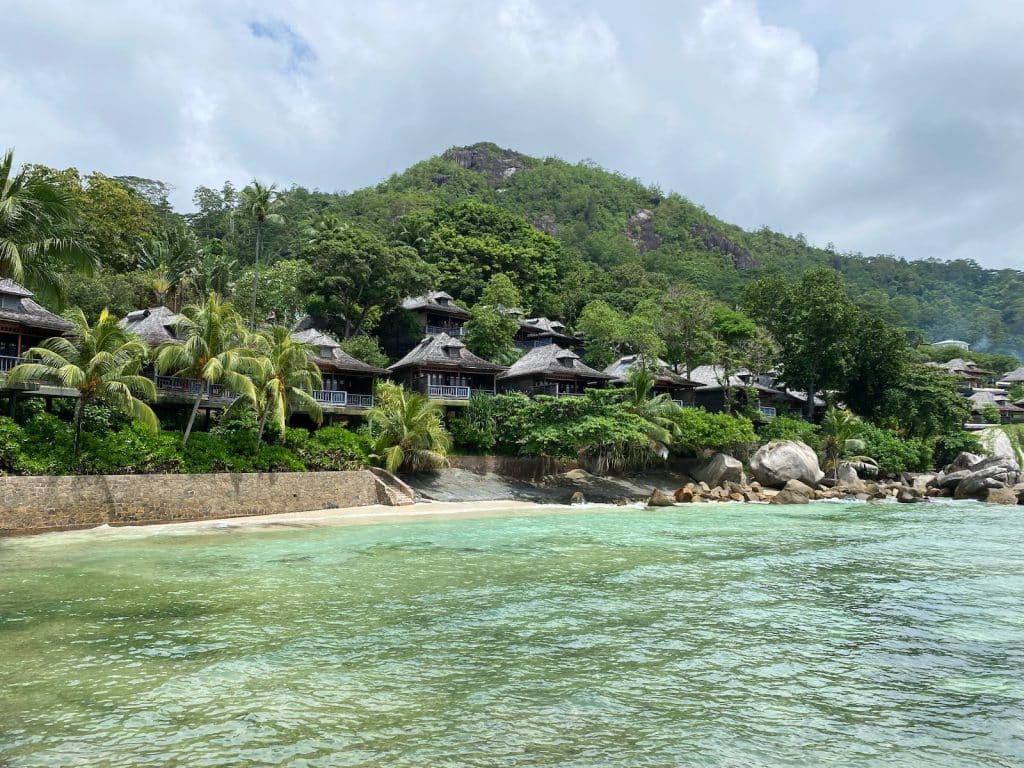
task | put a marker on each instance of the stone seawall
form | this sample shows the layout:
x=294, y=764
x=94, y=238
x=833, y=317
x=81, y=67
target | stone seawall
x=39, y=504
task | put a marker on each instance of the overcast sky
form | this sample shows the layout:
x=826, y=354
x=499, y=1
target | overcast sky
x=880, y=129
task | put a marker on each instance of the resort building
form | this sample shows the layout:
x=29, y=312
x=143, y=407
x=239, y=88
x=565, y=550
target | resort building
x=679, y=388
x=444, y=369
x=23, y=323
x=551, y=370
x=542, y=331
x=743, y=385
x=1011, y=378
x=347, y=383
x=436, y=313
x=154, y=326
x=984, y=399
x=968, y=374
x=952, y=343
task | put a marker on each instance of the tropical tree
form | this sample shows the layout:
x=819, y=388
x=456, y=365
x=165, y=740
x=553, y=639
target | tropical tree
x=657, y=410
x=101, y=362
x=36, y=219
x=491, y=329
x=285, y=377
x=407, y=430
x=260, y=202
x=211, y=348
x=841, y=431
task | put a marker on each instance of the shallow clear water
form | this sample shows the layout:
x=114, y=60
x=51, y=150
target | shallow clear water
x=849, y=635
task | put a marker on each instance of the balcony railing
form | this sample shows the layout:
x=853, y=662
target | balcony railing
x=184, y=386
x=448, y=393
x=767, y=411
x=437, y=330
x=8, y=362
x=340, y=397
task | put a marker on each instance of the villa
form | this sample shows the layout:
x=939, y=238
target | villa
x=713, y=387
x=984, y=399
x=444, y=369
x=1011, y=378
x=968, y=374
x=542, y=331
x=437, y=313
x=678, y=388
x=347, y=382
x=23, y=323
x=551, y=370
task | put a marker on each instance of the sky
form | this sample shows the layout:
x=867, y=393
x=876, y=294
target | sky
x=880, y=127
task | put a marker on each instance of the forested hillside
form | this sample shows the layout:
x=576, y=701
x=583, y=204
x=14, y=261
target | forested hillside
x=566, y=233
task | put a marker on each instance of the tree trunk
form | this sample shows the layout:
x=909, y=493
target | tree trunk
x=79, y=413
x=256, y=271
x=263, y=425
x=192, y=419
x=809, y=405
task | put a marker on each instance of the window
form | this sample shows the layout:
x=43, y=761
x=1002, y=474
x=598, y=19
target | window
x=566, y=362
x=10, y=302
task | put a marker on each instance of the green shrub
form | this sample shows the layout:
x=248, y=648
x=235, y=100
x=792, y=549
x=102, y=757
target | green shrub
x=893, y=453
x=990, y=414
x=948, y=447
x=47, y=446
x=700, y=430
x=335, y=448
x=790, y=428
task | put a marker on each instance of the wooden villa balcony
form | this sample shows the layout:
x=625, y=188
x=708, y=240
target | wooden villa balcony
x=443, y=392
x=437, y=330
x=7, y=362
x=175, y=385
x=342, y=398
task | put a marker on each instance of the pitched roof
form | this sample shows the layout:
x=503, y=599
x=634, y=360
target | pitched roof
x=433, y=301
x=329, y=354
x=983, y=398
x=548, y=360
x=711, y=377
x=665, y=376
x=1016, y=375
x=959, y=365
x=443, y=350
x=154, y=326
x=25, y=311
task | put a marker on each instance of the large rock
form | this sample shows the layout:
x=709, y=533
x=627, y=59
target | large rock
x=985, y=475
x=908, y=495
x=719, y=470
x=846, y=476
x=775, y=464
x=1001, y=496
x=789, y=497
x=660, y=499
x=963, y=461
x=998, y=445
x=795, y=486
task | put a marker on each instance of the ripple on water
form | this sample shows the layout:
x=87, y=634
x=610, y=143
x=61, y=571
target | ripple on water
x=829, y=634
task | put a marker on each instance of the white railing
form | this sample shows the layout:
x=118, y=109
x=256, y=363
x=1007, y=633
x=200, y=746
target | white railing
x=7, y=362
x=360, y=401
x=767, y=411
x=448, y=393
x=437, y=330
x=330, y=396
x=185, y=386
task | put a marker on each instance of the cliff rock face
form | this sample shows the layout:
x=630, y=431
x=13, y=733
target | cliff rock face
x=640, y=230
x=499, y=164
x=742, y=259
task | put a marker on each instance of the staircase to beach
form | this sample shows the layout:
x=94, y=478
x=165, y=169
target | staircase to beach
x=392, y=491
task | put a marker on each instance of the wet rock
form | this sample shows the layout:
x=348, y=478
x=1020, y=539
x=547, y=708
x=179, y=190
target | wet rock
x=908, y=495
x=777, y=463
x=659, y=499
x=1001, y=496
x=847, y=477
x=719, y=470
x=789, y=497
x=684, y=495
x=795, y=486
x=577, y=498
x=963, y=461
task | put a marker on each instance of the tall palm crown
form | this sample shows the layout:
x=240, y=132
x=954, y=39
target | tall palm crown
x=211, y=347
x=285, y=377
x=35, y=221
x=260, y=202
x=407, y=430
x=657, y=411
x=102, y=362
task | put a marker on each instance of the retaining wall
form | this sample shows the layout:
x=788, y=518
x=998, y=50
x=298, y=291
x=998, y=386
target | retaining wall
x=38, y=504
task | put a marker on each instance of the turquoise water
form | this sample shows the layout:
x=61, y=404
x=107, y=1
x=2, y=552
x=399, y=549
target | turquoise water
x=848, y=635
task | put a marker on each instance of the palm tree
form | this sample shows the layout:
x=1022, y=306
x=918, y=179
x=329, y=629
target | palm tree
x=841, y=430
x=101, y=362
x=260, y=202
x=657, y=411
x=285, y=377
x=35, y=219
x=407, y=430
x=211, y=348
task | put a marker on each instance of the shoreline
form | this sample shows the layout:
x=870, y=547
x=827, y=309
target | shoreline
x=375, y=514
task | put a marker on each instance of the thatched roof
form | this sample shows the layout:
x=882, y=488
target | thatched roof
x=444, y=351
x=984, y=398
x=1015, y=376
x=960, y=366
x=552, y=360
x=438, y=301
x=154, y=326
x=17, y=306
x=665, y=376
x=712, y=377
x=330, y=356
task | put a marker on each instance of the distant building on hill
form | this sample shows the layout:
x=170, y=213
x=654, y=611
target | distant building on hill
x=952, y=343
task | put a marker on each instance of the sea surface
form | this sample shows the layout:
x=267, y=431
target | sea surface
x=712, y=635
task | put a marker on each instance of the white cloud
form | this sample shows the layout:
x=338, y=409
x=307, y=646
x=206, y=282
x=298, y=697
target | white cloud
x=877, y=128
